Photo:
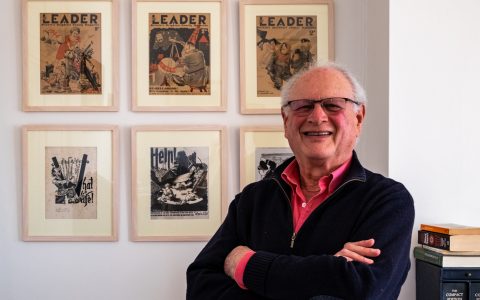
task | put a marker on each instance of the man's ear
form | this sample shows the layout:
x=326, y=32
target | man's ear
x=360, y=116
x=285, y=118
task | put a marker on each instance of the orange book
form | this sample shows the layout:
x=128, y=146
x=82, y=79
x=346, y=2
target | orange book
x=451, y=229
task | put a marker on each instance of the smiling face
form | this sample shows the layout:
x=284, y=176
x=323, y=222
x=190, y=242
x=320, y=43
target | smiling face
x=319, y=139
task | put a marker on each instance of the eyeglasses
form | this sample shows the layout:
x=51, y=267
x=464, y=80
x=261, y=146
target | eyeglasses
x=329, y=105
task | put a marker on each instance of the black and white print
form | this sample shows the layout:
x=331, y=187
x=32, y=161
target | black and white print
x=71, y=182
x=179, y=182
x=267, y=159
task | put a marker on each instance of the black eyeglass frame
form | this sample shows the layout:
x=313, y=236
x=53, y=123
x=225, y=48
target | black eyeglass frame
x=321, y=101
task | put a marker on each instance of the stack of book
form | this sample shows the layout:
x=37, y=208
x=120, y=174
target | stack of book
x=449, y=245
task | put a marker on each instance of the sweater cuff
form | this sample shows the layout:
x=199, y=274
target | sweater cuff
x=255, y=274
x=241, y=268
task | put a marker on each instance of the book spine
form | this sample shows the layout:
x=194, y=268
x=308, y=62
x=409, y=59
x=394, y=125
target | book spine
x=454, y=291
x=428, y=256
x=434, y=239
x=475, y=291
x=434, y=228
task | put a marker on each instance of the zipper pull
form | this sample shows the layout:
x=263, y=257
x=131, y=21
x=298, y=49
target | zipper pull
x=292, y=240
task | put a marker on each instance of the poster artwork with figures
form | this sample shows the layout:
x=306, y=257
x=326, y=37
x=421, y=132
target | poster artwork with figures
x=179, y=54
x=179, y=182
x=267, y=159
x=71, y=182
x=285, y=46
x=70, y=53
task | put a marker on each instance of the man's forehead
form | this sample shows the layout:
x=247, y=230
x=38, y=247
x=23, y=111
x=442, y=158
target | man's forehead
x=324, y=82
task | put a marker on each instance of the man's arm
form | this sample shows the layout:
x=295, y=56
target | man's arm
x=206, y=278
x=277, y=276
x=352, y=251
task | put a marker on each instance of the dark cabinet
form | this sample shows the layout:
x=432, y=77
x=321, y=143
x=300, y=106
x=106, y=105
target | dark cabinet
x=437, y=283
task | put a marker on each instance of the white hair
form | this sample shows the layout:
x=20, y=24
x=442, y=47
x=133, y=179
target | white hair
x=358, y=91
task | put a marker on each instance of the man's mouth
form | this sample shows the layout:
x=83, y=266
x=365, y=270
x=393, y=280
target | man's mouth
x=317, y=133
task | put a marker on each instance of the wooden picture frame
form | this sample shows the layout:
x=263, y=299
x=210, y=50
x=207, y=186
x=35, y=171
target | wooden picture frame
x=70, y=178
x=70, y=55
x=179, y=55
x=279, y=38
x=262, y=149
x=178, y=182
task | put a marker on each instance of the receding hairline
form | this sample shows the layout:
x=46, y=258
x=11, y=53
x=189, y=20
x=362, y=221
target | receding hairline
x=358, y=90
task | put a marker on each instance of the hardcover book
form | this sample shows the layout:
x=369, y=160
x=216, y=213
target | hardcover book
x=446, y=260
x=454, y=290
x=457, y=253
x=450, y=228
x=459, y=242
x=475, y=291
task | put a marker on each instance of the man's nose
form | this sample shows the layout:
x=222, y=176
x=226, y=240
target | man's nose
x=318, y=113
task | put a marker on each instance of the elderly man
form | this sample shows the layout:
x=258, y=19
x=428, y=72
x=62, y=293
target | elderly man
x=322, y=226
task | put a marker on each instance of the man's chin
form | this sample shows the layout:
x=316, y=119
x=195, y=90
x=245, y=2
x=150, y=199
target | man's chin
x=317, y=156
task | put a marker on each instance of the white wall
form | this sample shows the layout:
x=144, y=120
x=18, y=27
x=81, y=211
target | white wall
x=156, y=270
x=434, y=107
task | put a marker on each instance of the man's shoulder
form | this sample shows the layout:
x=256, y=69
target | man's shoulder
x=265, y=184
x=378, y=178
x=380, y=185
x=267, y=188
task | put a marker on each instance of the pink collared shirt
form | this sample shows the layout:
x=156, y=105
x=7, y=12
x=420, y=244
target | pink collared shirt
x=301, y=208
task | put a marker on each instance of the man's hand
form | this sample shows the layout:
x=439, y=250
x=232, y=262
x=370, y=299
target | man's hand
x=232, y=260
x=359, y=251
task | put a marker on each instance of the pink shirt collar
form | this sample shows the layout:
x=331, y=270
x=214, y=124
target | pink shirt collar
x=292, y=176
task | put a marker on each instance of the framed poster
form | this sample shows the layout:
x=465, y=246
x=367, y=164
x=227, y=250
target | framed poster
x=279, y=38
x=70, y=55
x=262, y=149
x=70, y=183
x=178, y=182
x=179, y=55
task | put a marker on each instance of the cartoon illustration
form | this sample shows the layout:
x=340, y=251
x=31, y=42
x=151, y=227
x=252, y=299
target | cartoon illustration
x=285, y=45
x=302, y=56
x=195, y=71
x=179, y=54
x=268, y=158
x=70, y=54
x=278, y=66
x=266, y=167
x=70, y=183
x=179, y=182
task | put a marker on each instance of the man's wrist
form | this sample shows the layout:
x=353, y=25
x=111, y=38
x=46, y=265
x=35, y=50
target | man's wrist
x=240, y=269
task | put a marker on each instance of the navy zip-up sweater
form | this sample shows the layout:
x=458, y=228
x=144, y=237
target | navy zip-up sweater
x=366, y=205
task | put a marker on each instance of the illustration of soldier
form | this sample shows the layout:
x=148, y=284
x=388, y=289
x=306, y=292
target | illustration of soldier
x=179, y=54
x=69, y=64
x=195, y=70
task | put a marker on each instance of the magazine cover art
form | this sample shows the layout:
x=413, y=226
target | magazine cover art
x=267, y=159
x=285, y=45
x=179, y=54
x=70, y=53
x=71, y=182
x=179, y=182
